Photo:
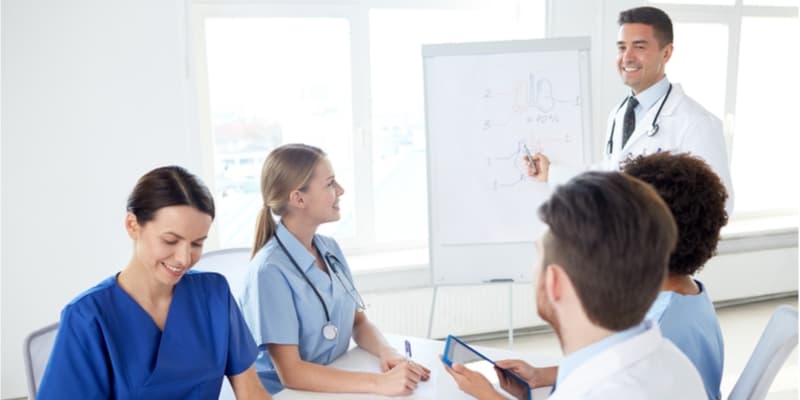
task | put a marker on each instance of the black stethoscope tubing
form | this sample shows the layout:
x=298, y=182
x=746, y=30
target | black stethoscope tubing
x=653, y=126
x=329, y=330
x=300, y=270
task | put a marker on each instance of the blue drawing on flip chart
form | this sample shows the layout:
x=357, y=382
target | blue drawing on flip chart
x=511, y=168
x=485, y=110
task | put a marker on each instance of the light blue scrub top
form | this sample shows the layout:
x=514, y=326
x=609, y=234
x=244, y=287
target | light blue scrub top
x=691, y=323
x=108, y=346
x=281, y=308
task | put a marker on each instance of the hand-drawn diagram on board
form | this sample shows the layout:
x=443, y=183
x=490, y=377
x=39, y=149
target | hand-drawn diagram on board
x=481, y=111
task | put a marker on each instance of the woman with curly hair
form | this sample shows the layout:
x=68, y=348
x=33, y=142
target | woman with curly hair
x=696, y=196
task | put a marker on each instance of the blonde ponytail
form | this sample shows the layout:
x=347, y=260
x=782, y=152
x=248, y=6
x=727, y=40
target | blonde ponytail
x=265, y=229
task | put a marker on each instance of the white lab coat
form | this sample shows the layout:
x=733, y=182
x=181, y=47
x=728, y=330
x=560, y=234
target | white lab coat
x=684, y=127
x=644, y=367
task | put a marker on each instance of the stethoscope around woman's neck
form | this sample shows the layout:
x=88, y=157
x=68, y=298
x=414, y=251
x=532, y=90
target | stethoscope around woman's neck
x=329, y=330
x=653, y=125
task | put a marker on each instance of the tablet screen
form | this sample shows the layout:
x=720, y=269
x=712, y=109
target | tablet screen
x=458, y=353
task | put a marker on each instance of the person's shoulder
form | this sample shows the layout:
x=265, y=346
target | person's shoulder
x=269, y=267
x=95, y=293
x=268, y=257
x=673, y=359
x=645, y=379
x=688, y=106
x=668, y=353
x=89, y=304
x=210, y=283
x=661, y=304
x=205, y=278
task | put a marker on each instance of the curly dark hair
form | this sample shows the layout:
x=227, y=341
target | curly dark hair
x=696, y=197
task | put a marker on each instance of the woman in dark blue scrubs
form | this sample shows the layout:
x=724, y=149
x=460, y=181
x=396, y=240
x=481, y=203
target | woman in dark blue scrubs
x=156, y=330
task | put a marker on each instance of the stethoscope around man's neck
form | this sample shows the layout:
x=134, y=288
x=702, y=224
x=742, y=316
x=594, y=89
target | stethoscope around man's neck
x=653, y=125
x=329, y=330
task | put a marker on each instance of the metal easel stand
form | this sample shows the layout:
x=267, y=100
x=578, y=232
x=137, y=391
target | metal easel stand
x=511, y=315
x=433, y=309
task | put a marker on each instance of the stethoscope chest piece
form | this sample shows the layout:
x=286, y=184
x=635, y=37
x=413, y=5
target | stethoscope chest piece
x=653, y=130
x=329, y=331
x=653, y=126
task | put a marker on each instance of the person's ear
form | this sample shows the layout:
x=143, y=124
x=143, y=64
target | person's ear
x=296, y=199
x=554, y=282
x=132, y=226
x=667, y=52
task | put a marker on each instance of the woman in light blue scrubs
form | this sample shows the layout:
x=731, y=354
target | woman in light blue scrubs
x=683, y=309
x=299, y=300
x=156, y=330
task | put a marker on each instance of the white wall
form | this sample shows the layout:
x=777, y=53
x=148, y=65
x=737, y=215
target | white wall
x=94, y=95
x=1, y=197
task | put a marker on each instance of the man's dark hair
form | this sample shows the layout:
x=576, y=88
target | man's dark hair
x=696, y=197
x=658, y=19
x=612, y=234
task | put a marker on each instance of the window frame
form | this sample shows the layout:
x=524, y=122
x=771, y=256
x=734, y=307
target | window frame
x=731, y=16
x=357, y=15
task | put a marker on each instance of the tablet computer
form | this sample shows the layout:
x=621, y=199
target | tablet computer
x=456, y=351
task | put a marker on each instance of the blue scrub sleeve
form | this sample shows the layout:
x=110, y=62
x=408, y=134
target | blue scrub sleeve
x=78, y=367
x=278, y=320
x=242, y=350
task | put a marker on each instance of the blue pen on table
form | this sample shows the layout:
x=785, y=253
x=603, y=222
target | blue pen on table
x=408, y=350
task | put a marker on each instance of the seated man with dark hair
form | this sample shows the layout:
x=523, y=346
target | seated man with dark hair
x=603, y=260
x=696, y=196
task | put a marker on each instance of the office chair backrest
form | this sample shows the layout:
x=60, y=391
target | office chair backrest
x=36, y=349
x=232, y=263
x=774, y=347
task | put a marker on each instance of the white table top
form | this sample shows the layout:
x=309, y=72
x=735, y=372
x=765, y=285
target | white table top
x=424, y=351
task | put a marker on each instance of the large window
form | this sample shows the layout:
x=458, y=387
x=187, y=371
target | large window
x=346, y=77
x=265, y=90
x=739, y=60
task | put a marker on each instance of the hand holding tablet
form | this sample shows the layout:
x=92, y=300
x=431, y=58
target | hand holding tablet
x=458, y=352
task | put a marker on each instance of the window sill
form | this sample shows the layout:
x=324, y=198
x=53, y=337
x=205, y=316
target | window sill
x=744, y=234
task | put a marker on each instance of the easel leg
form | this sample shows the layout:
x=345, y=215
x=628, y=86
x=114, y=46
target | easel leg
x=433, y=309
x=511, y=316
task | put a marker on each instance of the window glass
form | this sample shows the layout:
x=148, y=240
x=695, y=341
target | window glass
x=273, y=81
x=710, y=55
x=766, y=134
x=697, y=2
x=398, y=118
x=792, y=3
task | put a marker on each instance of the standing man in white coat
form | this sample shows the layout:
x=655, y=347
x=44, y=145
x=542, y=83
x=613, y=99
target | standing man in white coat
x=601, y=264
x=657, y=115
